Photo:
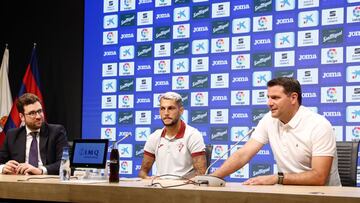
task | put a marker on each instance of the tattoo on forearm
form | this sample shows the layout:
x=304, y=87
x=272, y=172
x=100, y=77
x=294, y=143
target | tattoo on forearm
x=199, y=163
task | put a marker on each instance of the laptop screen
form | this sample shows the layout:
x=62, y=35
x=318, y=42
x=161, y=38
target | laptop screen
x=89, y=153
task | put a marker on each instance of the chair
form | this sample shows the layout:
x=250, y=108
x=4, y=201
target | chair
x=208, y=152
x=347, y=162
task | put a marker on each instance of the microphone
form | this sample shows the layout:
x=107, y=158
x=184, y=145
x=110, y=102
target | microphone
x=214, y=181
x=115, y=144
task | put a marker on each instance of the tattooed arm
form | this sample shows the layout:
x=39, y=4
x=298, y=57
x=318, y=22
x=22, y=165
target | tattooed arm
x=146, y=165
x=199, y=163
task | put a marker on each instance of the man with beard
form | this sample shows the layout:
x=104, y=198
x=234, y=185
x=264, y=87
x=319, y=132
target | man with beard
x=178, y=149
x=35, y=148
x=302, y=141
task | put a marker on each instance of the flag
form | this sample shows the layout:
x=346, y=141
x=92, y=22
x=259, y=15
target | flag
x=5, y=93
x=30, y=84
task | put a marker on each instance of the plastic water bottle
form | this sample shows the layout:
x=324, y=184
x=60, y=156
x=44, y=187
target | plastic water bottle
x=65, y=170
x=114, y=165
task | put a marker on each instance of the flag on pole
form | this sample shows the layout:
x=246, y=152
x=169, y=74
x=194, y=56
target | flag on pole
x=30, y=84
x=5, y=93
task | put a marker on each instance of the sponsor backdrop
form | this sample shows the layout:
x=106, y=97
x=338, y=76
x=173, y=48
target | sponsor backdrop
x=219, y=56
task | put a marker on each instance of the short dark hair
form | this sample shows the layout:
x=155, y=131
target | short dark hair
x=290, y=85
x=26, y=99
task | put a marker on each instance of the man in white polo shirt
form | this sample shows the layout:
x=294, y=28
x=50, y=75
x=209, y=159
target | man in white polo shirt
x=178, y=149
x=303, y=142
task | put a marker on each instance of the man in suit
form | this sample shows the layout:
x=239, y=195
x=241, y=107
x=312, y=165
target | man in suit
x=35, y=148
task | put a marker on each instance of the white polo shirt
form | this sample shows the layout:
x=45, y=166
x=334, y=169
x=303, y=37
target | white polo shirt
x=306, y=135
x=174, y=156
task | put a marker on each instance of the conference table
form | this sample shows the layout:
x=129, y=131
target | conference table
x=49, y=188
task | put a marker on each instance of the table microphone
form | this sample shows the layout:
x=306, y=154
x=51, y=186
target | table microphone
x=117, y=142
x=213, y=181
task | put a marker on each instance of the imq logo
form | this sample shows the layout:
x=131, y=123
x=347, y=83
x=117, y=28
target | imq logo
x=200, y=12
x=199, y=116
x=126, y=117
x=219, y=134
x=262, y=60
x=127, y=19
x=260, y=169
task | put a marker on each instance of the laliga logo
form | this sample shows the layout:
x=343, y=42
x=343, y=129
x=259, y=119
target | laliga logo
x=144, y=32
x=240, y=95
x=331, y=53
x=331, y=92
x=218, y=150
x=162, y=64
x=262, y=21
x=240, y=59
x=220, y=43
x=127, y=2
x=126, y=67
x=124, y=165
x=181, y=29
x=125, y=99
x=356, y=11
x=356, y=132
x=110, y=35
x=180, y=81
x=108, y=132
x=199, y=97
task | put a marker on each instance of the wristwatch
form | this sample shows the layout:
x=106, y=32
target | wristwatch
x=280, y=178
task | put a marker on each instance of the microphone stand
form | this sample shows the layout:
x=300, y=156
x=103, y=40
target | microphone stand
x=214, y=181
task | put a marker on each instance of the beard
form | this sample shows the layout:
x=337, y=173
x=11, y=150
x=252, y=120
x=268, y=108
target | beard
x=35, y=125
x=172, y=123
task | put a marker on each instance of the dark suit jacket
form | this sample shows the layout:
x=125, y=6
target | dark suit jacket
x=52, y=140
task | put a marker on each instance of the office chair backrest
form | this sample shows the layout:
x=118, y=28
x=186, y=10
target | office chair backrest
x=208, y=151
x=347, y=162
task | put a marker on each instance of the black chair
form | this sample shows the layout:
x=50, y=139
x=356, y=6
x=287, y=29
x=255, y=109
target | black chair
x=347, y=162
x=208, y=152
